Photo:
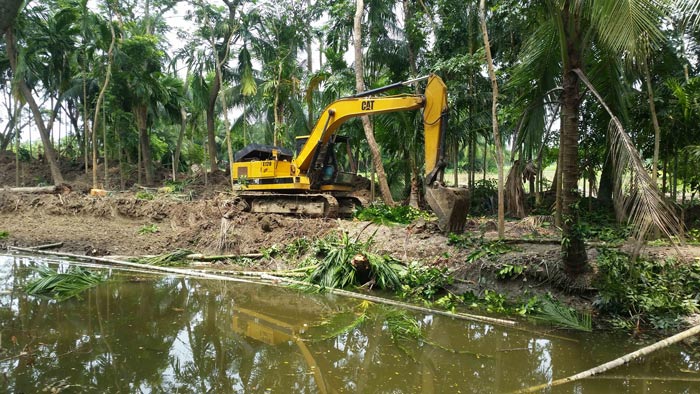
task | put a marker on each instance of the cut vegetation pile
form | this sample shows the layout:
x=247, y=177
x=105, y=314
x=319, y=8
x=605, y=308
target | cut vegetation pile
x=62, y=286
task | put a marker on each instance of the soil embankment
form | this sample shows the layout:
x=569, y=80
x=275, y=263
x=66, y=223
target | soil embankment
x=121, y=224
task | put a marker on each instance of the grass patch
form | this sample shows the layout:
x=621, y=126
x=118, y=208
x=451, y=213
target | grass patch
x=62, y=286
x=4, y=234
x=148, y=229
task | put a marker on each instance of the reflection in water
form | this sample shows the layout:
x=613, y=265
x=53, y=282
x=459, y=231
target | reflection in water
x=153, y=334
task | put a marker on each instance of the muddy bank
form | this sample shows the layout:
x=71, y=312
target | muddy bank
x=121, y=224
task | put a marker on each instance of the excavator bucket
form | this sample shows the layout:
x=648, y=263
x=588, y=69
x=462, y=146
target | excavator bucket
x=450, y=204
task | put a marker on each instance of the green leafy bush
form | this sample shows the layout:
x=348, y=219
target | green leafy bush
x=4, y=234
x=483, y=197
x=644, y=292
x=423, y=283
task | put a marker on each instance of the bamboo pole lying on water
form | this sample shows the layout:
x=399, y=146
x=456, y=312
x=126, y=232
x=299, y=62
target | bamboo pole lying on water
x=274, y=281
x=618, y=361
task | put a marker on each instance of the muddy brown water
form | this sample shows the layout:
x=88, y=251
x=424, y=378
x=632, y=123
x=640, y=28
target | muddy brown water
x=140, y=333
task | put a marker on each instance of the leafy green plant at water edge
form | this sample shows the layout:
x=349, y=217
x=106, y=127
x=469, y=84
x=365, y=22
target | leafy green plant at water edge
x=644, y=292
x=167, y=259
x=492, y=302
x=560, y=315
x=384, y=214
x=148, y=229
x=4, y=234
x=423, y=283
x=62, y=286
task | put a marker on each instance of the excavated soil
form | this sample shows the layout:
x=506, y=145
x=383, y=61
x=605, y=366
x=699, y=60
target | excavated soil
x=122, y=224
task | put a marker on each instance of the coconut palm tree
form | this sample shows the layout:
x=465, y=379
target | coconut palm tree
x=580, y=28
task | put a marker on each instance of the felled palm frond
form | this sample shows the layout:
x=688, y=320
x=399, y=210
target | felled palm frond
x=166, y=259
x=62, y=286
x=563, y=316
x=336, y=268
x=646, y=206
x=385, y=271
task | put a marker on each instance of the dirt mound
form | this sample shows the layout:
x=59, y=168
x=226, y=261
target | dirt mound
x=123, y=224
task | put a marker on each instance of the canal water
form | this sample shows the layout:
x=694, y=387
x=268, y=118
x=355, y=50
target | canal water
x=140, y=333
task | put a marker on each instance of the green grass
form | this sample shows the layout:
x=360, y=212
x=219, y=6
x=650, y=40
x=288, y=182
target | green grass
x=148, y=229
x=4, y=234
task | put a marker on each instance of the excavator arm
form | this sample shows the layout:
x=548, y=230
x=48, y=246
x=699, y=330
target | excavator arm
x=434, y=104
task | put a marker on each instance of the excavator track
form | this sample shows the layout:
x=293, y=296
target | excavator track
x=348, y=203
x=309, y=205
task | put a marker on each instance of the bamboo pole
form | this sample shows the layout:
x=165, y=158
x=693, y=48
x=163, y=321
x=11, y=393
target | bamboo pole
x=618, y=361
x=274, y=281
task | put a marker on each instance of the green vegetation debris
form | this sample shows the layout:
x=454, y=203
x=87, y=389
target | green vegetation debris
x=342, y=263
x=424, y=283
x=167, y=259
x=144, y=195
x=62, y=286
x=646, y=293
x=560, y=315
x=4, y=234
x=383, y=214
x=148, y=229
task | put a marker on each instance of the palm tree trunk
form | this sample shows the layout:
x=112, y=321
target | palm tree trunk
x=494, y=119
x=573, y=248
x=366, y=124
x=49, y=151
x=98, y=106
x=211, y=134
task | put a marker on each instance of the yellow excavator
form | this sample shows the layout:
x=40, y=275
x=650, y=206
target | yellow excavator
x=320, y=178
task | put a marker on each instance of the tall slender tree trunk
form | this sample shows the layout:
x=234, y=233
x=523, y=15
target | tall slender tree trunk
x=366, y=124
x=276, y=108
x=655, y=123
x=211, y=123
x=17, y=138
x=86, y=121
x=141, y=112
x=408, y=26
x=494, y=119
x=573, y=247
x=49, y=151
x=98, y=107
x=484, y=164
